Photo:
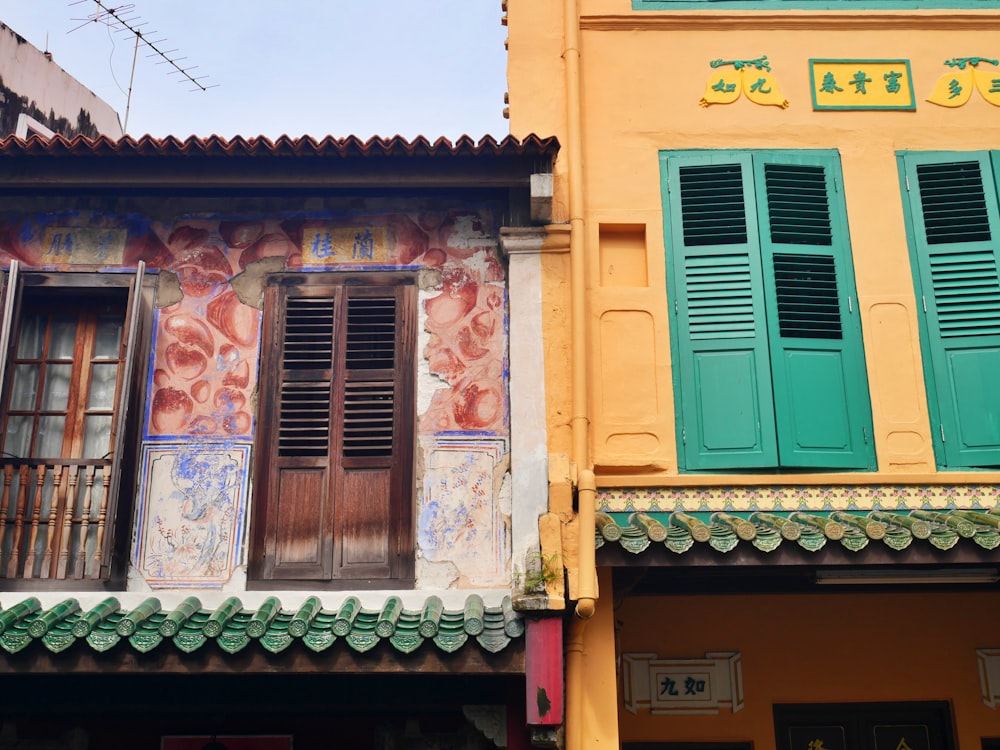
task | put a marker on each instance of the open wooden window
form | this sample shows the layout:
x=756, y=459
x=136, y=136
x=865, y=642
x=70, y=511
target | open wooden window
x=72, y=373
x=334, y=462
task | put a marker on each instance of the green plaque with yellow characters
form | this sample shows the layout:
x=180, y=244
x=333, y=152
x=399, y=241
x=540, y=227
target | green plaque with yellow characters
x=861, y=84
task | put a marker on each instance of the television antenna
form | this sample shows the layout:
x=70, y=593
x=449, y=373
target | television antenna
x=123, y=19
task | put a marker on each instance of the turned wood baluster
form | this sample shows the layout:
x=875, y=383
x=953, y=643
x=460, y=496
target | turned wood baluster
x=67, y=530
x=81, y=553
x=29, y=560
x=22, y=499
x=102, y=517
x=8, y=477
x=55, y=502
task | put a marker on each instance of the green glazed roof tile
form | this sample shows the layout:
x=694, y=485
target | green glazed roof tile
x=15, y=640
x=319, y=641
x=986, y=537
x=810, y=531
x=189, y=627
x=451, y=641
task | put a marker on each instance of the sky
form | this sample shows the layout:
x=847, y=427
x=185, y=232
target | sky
x=286, y=67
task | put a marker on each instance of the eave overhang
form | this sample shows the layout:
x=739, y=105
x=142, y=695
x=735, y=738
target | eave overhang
x=150, y=165
x=350, y=638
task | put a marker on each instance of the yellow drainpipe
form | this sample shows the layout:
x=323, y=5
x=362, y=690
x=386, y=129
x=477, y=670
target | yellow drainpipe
x=580, y=422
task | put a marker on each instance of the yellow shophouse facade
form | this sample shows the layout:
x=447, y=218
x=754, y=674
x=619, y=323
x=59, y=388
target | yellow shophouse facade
x=771, y=295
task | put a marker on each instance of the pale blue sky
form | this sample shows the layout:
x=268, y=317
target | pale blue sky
x=295, y=67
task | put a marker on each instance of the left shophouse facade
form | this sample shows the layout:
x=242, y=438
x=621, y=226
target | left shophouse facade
x=265, y=476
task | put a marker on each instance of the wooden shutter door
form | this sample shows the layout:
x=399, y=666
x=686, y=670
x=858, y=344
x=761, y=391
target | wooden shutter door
x=714, y=282
x=821, y=399
x=956, y=238
x=374, y=407
x=293, y=470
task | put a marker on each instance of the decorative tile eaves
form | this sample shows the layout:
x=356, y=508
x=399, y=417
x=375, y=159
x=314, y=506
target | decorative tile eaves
x=189, y=627
x=680, y=531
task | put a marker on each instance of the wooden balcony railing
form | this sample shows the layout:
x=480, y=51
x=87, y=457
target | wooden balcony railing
x=53, y=514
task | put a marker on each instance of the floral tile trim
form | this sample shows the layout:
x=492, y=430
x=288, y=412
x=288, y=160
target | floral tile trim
x=801, y=497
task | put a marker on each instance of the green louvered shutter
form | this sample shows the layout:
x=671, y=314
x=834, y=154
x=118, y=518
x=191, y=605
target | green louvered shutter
x=821, y=402
x=714, y=284
x=955, y=226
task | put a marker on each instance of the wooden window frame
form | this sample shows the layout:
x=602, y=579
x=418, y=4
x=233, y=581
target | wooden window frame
x=740, y=351
x=356, y=526
x=107, y=486
x=953, y=406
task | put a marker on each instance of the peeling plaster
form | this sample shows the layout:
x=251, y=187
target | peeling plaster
x=168, y=289
x=249, y=285
x=428, y=383
x=468, y=233
x=436, y=575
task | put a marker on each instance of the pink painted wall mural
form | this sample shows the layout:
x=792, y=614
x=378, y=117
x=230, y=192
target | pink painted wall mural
x=467, y=349
x=205, y=358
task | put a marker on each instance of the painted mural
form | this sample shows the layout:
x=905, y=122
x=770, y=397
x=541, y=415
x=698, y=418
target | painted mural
x=461, y=522
x=192, y=498
x=201, y=390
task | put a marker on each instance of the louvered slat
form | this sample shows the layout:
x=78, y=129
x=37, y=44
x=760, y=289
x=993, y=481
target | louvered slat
x=720, y=297
x=953, y=203
x=964, y=280
x=304, y=407
x=371, y=333
x=368, y=419
x=712, y=206
x=369, y=397
x=806, y=290
x=308, y=341
x=304, y=424
x=967, y=292
x=797, y=204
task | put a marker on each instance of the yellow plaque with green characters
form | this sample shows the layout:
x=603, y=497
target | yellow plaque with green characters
x=861, y=84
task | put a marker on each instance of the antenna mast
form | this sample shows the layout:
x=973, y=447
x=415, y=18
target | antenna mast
x=123, y=19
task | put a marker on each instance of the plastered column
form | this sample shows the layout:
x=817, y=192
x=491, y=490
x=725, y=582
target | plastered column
x=529, y=473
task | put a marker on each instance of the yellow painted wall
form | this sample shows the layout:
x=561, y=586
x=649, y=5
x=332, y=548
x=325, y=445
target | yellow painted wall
x=596, y=714
x=642, y=75
x=815, y=648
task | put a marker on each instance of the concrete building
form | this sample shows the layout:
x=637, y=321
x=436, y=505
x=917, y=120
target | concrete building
x=39, y=97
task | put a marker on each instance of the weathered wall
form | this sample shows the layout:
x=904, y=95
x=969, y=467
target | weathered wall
x=200, y=416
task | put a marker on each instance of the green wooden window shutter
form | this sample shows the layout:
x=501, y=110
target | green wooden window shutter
x=955, y=229
x=722, y=371
x=769, y=361
x=820, y=385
